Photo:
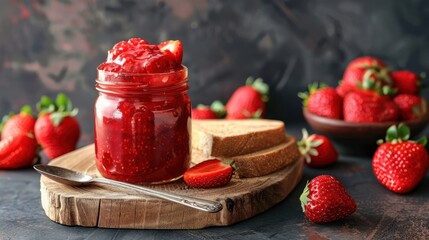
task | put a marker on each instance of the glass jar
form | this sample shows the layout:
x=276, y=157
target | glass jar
x=142, y=126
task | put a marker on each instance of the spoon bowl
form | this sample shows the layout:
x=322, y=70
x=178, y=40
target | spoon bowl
x=63, y=175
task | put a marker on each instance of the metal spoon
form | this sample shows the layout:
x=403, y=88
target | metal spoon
x=69, y=177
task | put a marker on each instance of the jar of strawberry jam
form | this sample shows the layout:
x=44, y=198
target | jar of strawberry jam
x=142, y=113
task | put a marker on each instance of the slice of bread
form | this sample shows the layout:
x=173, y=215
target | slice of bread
x=259, y=163
x=227, y=138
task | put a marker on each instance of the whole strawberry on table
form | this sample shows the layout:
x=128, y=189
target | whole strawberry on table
x=57, y=130
x=325, y=199
x=400, y=164
x=248, y=101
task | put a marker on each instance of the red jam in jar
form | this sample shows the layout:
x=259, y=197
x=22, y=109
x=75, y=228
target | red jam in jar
x=142, y=113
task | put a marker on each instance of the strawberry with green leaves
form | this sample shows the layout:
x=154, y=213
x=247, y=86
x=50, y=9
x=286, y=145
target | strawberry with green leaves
x=325, y=199
x=57, y=130
x=323, y=101
x=248, y=101
x=410, y=106
x=367, y=73
x=215, y=111
x=368, y=106
x=400, y=164
x=317, y=150
x=209, y=174
x=407, y=82
x=17, y=124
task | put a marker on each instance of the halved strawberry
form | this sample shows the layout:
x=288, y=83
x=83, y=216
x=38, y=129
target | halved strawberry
x=209, y=174
x=175, y=47
x=17, y=151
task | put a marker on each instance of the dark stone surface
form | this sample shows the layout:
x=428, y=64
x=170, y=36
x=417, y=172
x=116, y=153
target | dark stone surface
x=51, y=46
x=380, y=214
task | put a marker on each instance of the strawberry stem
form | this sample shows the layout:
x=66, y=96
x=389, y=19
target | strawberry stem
x=59, y=109
x=259, y=85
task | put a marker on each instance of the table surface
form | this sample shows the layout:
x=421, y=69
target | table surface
x=380, y=214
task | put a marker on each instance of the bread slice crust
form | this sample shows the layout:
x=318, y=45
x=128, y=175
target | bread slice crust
x=228, y=138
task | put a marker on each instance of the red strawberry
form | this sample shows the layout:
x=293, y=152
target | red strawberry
x=209, y=174
x=175, y=47
x=17, y=151
x=317, y=150
x=406, y=82
x=325, y=200
x=323, y=101
x=214, y=111
x=366, y=61
x=248, y=101
x=368, y=106
x=22, y=123
x=366, y=73
x=203, y=112
x=57, y=130
x=410, y=106
x=400, y=164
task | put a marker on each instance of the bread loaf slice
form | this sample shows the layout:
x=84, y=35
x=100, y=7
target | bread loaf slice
x=259, y=163
x=227, y=138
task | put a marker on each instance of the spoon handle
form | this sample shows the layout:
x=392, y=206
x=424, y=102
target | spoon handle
x=197, y=203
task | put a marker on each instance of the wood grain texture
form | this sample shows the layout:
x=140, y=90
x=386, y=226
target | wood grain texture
x=110, y=207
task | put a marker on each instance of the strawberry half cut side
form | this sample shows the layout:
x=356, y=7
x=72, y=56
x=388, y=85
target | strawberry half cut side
x=209, y=174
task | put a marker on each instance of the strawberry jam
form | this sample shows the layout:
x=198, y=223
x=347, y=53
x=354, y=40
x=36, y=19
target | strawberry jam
x=142, y=113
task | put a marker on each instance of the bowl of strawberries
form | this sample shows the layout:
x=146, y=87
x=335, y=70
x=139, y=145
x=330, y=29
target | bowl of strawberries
x=369, y=99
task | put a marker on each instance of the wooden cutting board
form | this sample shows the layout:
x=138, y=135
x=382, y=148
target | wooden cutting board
x=110, y=207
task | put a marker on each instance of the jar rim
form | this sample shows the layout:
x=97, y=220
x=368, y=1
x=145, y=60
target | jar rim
x=142, y=79
x=183, y=69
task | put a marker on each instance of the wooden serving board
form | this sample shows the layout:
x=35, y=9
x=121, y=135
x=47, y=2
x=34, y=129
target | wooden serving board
x=110, y=207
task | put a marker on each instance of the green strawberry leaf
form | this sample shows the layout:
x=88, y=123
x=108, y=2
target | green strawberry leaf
x=423, y=141
x=57, y=118
x=260, y=86
x=304, y=196
x=45, y=105
x=403, y=132
x=26, y=109
x=392, y=133
x=63, y=103
x=5, y=119
x=218, y=108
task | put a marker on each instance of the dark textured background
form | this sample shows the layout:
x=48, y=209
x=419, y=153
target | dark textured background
x=48, y=47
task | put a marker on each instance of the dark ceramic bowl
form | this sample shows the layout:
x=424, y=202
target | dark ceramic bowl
x=358, y=139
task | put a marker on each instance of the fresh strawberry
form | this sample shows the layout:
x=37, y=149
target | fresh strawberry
x=366, y=73
x=325, y=199
x=323, y=101
x=214, y=111
x=248, y=101
x=203, y=112
x=410, y=106
x=175, y=47
x=368, y=106
x=317, y=150
x=17, y=151
x=209, y=174
x=366, y=61
x=406, y=82
x=400, y=164
x=57, y=129
x=19, y=124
